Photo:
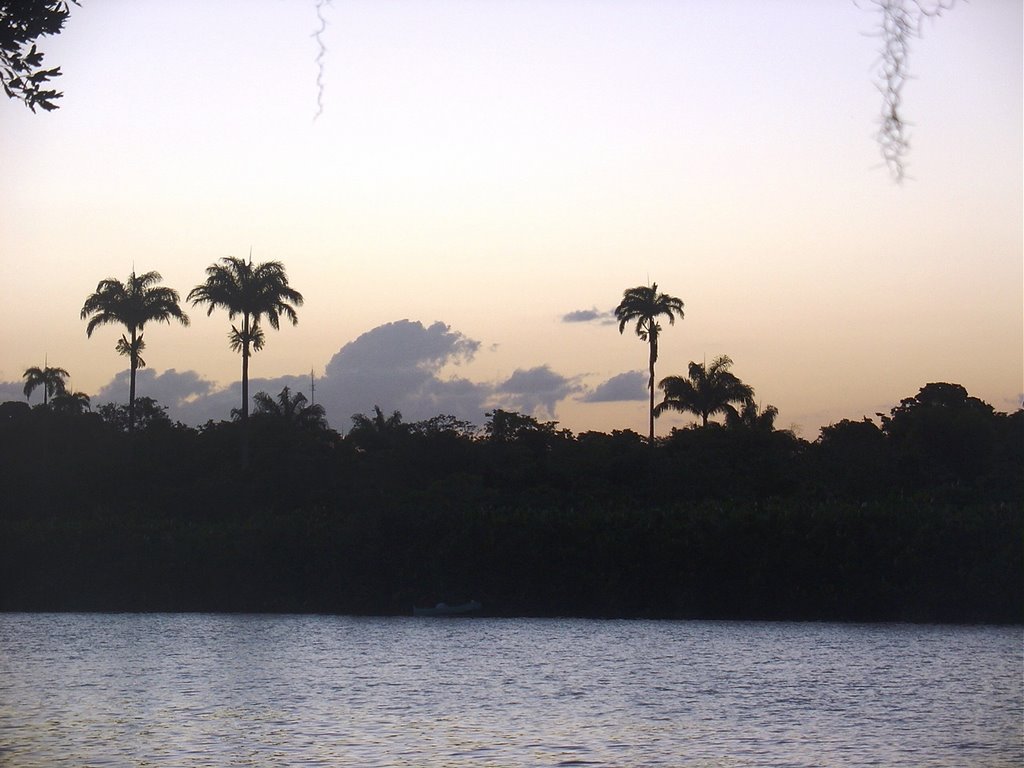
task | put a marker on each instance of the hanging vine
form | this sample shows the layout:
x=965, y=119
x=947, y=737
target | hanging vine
x=901, y=21
x=321, y=54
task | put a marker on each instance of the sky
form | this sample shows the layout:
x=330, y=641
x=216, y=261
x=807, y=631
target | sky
x=463, y=189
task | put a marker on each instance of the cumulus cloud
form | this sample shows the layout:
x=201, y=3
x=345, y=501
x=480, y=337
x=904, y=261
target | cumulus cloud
x=398, y=366
x=593, y=315
x=623, y=387
x=534, y=391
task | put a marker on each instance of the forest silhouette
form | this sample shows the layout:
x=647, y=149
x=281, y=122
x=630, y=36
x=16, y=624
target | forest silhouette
x=917, y=518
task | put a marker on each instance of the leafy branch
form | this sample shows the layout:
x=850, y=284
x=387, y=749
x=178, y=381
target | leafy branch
x=21, y=72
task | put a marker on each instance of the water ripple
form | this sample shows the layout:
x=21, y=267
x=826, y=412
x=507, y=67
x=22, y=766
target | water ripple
x=152, y=690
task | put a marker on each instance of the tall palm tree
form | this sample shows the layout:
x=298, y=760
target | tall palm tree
x=132, y=304
x=254, y=292
x=708, y=390
x=645, y=305
x=50, y=379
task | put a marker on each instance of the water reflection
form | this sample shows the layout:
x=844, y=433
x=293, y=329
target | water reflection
x=286, y=690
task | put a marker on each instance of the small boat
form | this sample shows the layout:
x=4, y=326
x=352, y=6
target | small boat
x=443, y=609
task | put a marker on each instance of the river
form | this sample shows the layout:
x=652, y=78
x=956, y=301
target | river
x=240, y=690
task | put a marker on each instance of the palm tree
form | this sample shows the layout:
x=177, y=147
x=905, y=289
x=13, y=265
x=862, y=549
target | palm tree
x=377, y=431
x=132, y=304
x=293, y=411
x=254, y=292
x=50, y=379
x=645, y=305
x=708, y=390
x=750, y=416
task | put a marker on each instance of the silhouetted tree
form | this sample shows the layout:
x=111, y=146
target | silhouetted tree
x=708, y=390
x=440, y=447
x=147, y=414
x=607, y=464
x=444, y=424
x=645, y=305
x=49, y=378
x=523, y=454
x=853, y=458
x=21, y=73
x=292, y=411
x=253, y=292
x=132, y=304
x=752, y=417
x=14, y=411
x=377, y=431
x=942, y=435
x=71, y=403
x=1008, y=461
x=508, y=426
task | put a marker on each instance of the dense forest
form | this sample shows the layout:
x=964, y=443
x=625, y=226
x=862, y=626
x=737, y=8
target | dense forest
x=916, y=518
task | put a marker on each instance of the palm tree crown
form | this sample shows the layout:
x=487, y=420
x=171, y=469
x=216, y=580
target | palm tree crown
x=50, y=379
x=290, y=410
x=252, y=292
x=377, y=431
x=644, y=305
x=708, y=390
x=132, y=304
x=750, y=416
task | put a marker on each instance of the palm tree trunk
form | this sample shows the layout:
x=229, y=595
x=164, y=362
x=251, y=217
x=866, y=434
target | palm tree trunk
x=245, y=380
x=650, y=386
x=134, y=364
x=245, y=391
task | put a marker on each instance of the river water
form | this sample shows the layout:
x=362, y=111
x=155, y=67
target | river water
x=229, y=690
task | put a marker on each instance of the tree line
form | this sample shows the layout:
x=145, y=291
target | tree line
x=258, y=293
x=917, y=517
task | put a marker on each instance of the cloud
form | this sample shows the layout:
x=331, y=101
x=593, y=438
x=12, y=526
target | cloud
x=624, y=387
x=15, y=390
x=171, y=388
x=188, y=397
x=535, y=391
x=593, y=315
x=406, y=345
x=398, y=366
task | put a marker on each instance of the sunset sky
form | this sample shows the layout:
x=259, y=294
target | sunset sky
x=479, y=180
